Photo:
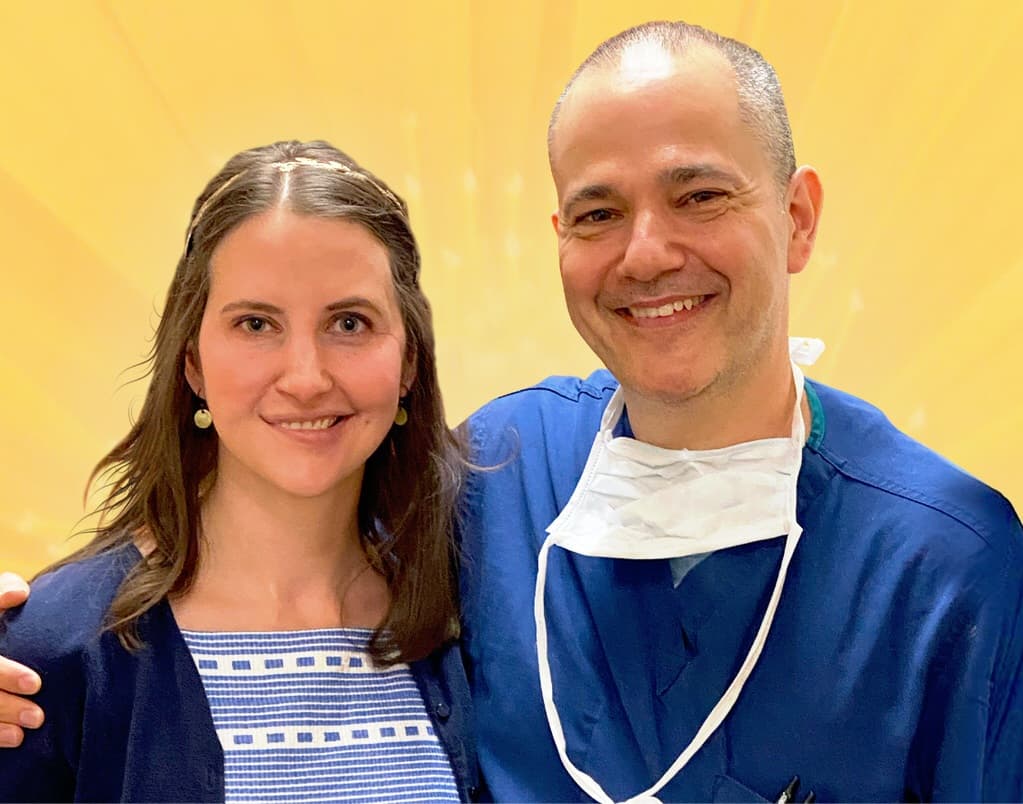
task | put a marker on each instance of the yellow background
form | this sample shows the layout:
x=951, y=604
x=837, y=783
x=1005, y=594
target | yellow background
x=114, y=114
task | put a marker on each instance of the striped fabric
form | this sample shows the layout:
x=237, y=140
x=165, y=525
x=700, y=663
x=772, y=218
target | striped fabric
x=304, y=716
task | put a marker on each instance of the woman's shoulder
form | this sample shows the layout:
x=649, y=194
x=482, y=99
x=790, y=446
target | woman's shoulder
x=66, y=608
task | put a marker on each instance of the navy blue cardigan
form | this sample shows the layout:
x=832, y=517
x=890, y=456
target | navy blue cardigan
x=135, y=726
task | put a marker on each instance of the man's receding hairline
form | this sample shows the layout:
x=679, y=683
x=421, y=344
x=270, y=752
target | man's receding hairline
x=610, y=67
x=760, y=101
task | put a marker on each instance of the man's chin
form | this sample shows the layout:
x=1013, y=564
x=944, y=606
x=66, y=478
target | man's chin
x=664, y=388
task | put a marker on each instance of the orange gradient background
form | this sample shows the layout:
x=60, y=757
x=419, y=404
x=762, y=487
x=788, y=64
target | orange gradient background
x=116, y=113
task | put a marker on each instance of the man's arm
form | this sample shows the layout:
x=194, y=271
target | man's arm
x=16, y=679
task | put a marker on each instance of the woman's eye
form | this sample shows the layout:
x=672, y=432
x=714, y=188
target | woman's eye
x=255, y=324
x=349, y=323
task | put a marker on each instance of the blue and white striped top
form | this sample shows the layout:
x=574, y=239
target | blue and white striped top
x=305, y=716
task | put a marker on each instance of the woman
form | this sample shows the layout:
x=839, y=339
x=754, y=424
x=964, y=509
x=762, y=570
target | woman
x=267, y=611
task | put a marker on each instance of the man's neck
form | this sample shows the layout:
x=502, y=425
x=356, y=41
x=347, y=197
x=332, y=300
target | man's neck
x=718, y=416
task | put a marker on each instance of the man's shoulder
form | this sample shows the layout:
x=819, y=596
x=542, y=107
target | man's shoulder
x=865, y=448
x=66, y=609
x=556, y=407
x=555, y=391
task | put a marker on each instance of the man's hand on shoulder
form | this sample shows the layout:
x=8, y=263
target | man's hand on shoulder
x=15, y=679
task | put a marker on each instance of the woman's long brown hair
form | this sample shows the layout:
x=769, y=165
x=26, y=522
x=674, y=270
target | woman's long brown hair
x=153, y=480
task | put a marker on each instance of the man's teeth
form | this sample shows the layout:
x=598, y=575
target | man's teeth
x=666, y=309
x=316, y=424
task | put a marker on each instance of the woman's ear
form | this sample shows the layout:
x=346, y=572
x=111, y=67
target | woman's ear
x=408, y=374
x=193, y=372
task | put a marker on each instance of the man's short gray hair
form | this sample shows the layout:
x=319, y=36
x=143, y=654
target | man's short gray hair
x=761, y=104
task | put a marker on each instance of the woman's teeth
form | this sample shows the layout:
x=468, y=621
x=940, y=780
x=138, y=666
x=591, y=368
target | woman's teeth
x=315, y=424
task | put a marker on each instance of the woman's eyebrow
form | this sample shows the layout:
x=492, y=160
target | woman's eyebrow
x=250, y=304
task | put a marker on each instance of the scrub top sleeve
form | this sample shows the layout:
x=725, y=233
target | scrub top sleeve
x=1003, y=769
x=979, y=737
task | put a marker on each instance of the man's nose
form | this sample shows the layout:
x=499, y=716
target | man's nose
x=654, y=247
x=305, y=373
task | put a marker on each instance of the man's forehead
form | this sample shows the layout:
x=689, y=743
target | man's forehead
x=701, y=72
x=655, y=89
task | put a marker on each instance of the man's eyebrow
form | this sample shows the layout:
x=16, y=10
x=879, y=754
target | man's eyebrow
x=683, y=174
x=680, y=174
x=591, y=192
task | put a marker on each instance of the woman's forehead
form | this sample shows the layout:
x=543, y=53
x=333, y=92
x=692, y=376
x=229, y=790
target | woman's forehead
x=281, y=249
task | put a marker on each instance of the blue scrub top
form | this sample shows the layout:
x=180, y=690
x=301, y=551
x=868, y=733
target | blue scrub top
x=892, y=672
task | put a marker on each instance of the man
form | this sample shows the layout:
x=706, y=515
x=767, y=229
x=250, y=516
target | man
x=710, y=579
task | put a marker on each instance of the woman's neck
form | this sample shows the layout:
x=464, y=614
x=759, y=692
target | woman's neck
x=276, y=562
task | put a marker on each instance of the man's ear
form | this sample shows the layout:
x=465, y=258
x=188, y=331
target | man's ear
x=556, y=223
x=193, y=371
x=805, y=199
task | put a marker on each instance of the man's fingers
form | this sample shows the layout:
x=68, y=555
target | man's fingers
x=10, y=736
x=18, y=679
x=13, y=590
x=17, y=713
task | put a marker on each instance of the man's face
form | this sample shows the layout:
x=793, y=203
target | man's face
x=675, y=239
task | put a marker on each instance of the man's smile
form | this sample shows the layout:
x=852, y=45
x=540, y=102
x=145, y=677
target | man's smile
x=664, y=311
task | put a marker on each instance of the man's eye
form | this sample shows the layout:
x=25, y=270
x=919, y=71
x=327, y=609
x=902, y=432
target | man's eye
x=704, y=196
x=595, y=216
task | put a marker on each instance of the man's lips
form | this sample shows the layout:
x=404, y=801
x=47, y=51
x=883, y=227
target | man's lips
x=664, y=308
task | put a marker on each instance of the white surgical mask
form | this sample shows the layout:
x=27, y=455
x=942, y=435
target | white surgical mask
x=639, y=501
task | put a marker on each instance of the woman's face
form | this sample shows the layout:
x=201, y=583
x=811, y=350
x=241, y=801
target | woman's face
x=300, y=353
